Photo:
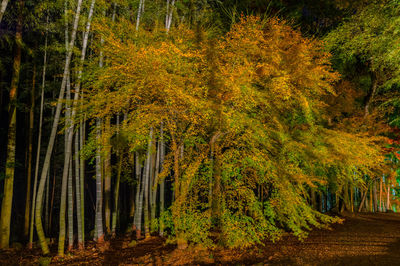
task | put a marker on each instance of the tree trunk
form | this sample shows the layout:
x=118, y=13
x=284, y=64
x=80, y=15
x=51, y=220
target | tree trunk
x=162, y=184
x=139, y=14
x=146, y=185
x=116, y=189
x=371, y=95
x=30, y=140
x=363, y=200
x=78, y=192
x=380, y=195
x=6, y=204
x=99, y=234
x=321, y=201
x=313, y=199
x=99, y=195
x=107, y=176
x=46, y=203
x=139, y=198
x=155, y=184
x=371, y=200
x=168, y=19
x=70, y=206
x=65, y=175
x=39, y=226
x=346, y=205
x=53, y=188
x=352, y=198
x=82, y=180
x=375, y=197
x=79, y=162
x=388, y=196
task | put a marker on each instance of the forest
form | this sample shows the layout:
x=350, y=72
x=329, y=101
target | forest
x=196, y=126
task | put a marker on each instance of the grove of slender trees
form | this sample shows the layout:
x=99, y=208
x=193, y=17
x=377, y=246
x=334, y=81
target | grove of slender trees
x=200, y=121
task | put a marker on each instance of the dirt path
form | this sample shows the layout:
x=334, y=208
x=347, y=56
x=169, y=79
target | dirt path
x=366, y=239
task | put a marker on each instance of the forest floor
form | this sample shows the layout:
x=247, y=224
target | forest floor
x=363, y=239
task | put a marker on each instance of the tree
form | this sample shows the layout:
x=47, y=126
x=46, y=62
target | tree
x=6, y=205
x=32, y=217
x=369, y=38
x=254, y=101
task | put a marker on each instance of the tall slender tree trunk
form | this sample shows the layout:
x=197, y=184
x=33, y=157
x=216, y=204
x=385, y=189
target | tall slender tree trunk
x=380, y=195
x=3, y=8
x=65, y=175
x=30, y=140
x=64, y=180
x=82, y=180
x=346, y=205
x=107, y=176
x=99, y=234
x=146, y=185
x=99, y=195
x=139, y=198
x=139, y=14
x=80, y=162
x=39, y=226
x=78, y=192
x=6, y=205
x=70, y=206
x=116, y=196
x=46, y=204
x=371, y=208
x=117, y=183
x=313, y=199
x=352, y=198
x=375, y=197
x=170, y=12
x=154, y=187
x=53, y=189
x=162, y=184
x=388, y=197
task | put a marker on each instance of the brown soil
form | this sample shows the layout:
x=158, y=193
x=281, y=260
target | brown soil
x=365, y=239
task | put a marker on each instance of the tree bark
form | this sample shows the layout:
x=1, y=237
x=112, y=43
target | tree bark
x=170, y=10
x=139, y=198
x=375, y=197
x=6, y=205
x=30, y=140
x=99, y=195
x=139, y=14
x=117, y=182
x=107, y=176
x=146, y=185
x=82, y=180
x=380, y=196
x=371, y=200
x=363, y=200
x=66, y=172
x=78, y=192
x=70, y=205
x=388, y=196
x=162, y=184
x=154, y=187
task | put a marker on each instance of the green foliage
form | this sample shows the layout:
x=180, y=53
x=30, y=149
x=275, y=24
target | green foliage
x=192, y=225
